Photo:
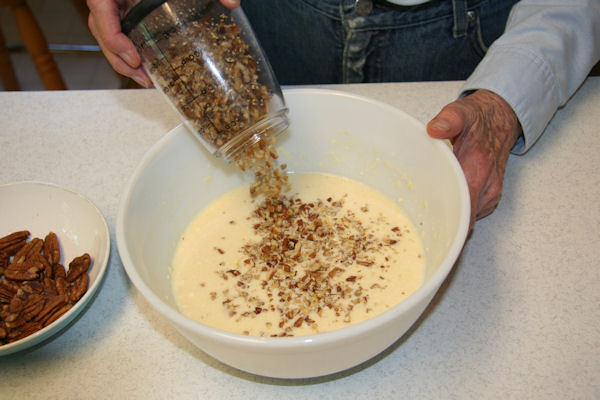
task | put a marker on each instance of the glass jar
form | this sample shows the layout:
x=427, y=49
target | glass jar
x=205, y=58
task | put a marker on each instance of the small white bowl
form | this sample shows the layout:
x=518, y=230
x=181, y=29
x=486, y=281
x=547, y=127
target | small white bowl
x=42, y=208
x=330, y=132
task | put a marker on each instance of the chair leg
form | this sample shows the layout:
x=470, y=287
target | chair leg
x=7, y=70
x=83, y=11
x=36, y=45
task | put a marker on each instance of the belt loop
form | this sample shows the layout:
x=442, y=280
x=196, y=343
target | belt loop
x=460, y=18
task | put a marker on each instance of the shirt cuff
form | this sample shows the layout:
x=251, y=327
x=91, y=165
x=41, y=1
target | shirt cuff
x=525, y=82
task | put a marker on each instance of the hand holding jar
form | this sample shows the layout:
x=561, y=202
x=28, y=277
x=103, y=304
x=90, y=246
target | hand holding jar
x=104, y=22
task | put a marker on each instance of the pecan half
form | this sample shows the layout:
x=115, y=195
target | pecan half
x=33, y=306
x=21, y=274
x=34, y=246
x=59, y=271
x=52, y=248
x=51, y=305
x=13, y=320
x=33, y=287
x=7, y=291
x=24, y=331
x=79, y=287
x=62, y=286
x=13, y=242
x=25, y=271
x=78, y=266
x=56, y=314
x=4, y=259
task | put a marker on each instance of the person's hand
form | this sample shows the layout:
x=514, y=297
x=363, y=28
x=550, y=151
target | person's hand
x=104, y=22
x=483, y=129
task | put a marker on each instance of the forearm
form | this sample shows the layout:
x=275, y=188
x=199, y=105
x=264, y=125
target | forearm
x=546, y=52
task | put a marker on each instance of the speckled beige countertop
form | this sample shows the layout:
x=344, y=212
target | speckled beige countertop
x=519, y=317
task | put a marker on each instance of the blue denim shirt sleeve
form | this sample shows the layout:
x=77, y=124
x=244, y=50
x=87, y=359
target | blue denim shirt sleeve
x=544, y=55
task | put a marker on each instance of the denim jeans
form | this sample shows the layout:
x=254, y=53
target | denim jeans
x=326, y=41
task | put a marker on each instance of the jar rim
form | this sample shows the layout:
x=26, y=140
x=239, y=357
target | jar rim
x=137, y=13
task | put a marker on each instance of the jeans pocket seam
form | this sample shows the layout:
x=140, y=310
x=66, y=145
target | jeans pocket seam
x=477, y=39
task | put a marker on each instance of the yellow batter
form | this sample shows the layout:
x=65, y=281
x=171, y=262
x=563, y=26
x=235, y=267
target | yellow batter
x=364, y=258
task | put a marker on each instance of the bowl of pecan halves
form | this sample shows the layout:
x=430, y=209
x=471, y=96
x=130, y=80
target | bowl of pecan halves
x=54, y=250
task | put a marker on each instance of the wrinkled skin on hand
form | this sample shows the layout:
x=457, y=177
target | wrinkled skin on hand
x=482, y=128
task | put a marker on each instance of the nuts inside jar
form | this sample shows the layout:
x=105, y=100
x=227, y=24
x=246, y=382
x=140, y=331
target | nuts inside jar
x=209, y=73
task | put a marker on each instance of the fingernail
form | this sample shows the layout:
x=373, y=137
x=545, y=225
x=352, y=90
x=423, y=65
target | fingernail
x=142, y=81
x=231, y=3
x=441, y=125
x=127, y=58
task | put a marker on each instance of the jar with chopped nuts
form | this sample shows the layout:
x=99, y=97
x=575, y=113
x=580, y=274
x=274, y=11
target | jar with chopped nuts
x=205, y=58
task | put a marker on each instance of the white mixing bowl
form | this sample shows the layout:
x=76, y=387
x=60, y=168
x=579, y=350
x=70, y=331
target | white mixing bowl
x=330, y=132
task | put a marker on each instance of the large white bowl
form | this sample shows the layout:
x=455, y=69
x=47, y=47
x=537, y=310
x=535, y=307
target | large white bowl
x=330, y=132
x=42, y=208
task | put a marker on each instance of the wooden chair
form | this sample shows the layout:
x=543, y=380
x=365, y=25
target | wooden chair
x=81, y=8
x=36, y=45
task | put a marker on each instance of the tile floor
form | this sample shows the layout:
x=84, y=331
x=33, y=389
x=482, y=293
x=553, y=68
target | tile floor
x=62, y=25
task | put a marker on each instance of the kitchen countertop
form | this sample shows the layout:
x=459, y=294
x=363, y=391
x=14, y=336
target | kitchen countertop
x=519, y=316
